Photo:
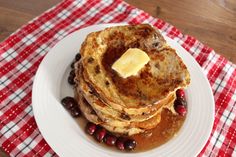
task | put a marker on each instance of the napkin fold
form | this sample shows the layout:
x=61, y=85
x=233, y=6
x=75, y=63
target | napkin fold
x=22, y=52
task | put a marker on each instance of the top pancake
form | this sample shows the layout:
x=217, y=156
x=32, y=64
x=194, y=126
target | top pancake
x=162, y=75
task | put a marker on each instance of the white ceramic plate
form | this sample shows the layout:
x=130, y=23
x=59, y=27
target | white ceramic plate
x=68, y=139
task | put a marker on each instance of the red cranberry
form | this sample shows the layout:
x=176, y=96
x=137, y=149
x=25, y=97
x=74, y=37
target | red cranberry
x=77, y=57
x=130, y=144
x=71, y=80
x=90, y=128
x=72, y=65
x=72, y=73
x=120, y=143
x=71, y=77
x=68, y=102
x=100, y=134
x=180, y=101
x=180, y=93
x=75, y=112
x=110, y=140
x=180, y=109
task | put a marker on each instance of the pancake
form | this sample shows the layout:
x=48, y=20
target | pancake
x=103, y=109
x=114, y=125
x=163, y=75
x=90, y=115
x=134, y=104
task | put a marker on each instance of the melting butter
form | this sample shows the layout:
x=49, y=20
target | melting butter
x=131, y=62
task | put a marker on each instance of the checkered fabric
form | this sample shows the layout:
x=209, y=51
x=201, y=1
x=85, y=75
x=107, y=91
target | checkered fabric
x=22, y=52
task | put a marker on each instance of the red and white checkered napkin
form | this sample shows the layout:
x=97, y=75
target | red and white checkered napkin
x=22, y=52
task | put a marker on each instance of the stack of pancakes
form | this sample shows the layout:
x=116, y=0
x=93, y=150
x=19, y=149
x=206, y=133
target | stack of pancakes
x=127, y=105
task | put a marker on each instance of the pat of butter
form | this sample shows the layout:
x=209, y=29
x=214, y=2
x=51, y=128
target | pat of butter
x=130, y=62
